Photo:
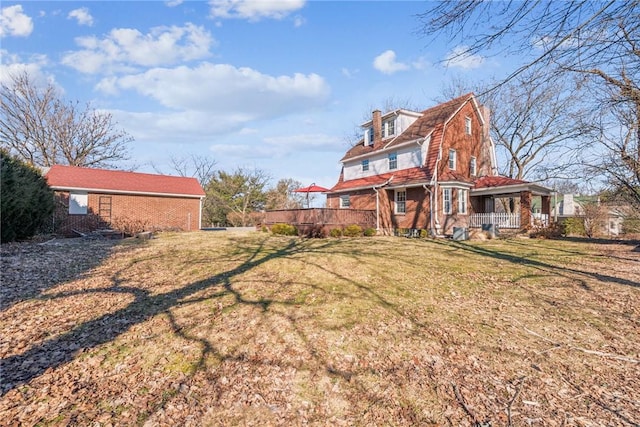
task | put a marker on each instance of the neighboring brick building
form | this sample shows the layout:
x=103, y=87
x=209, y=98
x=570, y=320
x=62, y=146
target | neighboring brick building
x=430, y=170
x=89, y=199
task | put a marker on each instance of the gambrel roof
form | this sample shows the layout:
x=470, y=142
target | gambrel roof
x=430, y=124
x=73, y=178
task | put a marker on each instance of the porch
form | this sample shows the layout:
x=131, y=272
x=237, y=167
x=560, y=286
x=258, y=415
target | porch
x=507, y=220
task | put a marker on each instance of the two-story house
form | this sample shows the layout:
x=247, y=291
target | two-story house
x=419, y=170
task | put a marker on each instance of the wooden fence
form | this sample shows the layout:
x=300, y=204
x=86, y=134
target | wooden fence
x=322, y=216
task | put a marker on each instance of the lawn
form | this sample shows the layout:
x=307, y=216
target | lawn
x=223, y=329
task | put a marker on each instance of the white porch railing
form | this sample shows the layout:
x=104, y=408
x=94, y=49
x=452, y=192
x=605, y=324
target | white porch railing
x=501, y=219
x=506, y=220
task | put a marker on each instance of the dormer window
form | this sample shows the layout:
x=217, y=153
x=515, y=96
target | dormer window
x=388, y=128
x=368, y=137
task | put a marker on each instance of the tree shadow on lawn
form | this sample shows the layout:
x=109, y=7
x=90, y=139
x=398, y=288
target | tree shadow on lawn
x=21, y=368
x=571, y=273
x=33, y=270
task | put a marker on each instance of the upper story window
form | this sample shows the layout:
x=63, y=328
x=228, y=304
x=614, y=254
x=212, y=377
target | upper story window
x=393, y=161
x=446, y=201
x=344, y=202
x=368, y=137
x=365, y=165
x=467, y=125
x=452, y=159
x=462, y=201
x=473, y=166
x=388, y=128
x=401, y=202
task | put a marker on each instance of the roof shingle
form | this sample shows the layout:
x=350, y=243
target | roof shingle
x=72, y=177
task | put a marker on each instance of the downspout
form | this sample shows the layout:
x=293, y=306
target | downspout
x=200, y=214
x=434, y=184
x=431, y=230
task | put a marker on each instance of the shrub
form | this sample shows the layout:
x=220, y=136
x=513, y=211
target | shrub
x=26, y=202
x=315, y=232
x=284, y=230
x=424, y=234
x=335, y=232
x=553, y=231
x=573, y=226
x=353, y=230
x=129, y=226
x=370, y=232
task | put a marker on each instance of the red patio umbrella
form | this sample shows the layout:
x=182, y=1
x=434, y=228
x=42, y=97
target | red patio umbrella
x=313, y=188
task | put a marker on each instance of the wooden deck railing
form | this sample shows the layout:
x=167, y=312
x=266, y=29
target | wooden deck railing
x=322, y=216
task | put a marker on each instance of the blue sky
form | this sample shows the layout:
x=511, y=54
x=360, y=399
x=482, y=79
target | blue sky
x=275, y=85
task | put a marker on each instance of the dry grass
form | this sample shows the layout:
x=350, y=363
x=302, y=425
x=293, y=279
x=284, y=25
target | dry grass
x=222, y=329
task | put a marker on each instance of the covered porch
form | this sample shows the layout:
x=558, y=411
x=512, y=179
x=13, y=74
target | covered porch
x=510, y=204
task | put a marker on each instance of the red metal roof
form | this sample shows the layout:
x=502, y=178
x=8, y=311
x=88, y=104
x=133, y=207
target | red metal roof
x=72, y=177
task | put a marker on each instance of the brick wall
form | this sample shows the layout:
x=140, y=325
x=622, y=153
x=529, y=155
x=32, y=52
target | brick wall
x=147, y=212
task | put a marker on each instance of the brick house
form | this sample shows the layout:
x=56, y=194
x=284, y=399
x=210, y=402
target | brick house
x=433, y=170
x=89, y=199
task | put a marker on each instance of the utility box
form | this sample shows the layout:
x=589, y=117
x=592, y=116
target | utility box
x=492, y=229
x=460, y=233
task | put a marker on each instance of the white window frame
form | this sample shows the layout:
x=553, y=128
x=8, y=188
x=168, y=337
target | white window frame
x=473, y=166
x=467, y=125
x=452, y=159
x=393, y=160
x=462, y=200
x=400, y=201
x=365, y=165
x=389, y=128
x=78, y=202
x=371, y=136
x=446, y=201
x=345, y=202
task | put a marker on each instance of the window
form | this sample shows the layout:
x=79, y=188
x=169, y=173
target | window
x=473, y=166
x=344, y=202
x=401, y=201
x=393, y=161
x=446, y=200
x=370, y=136
x=78, y=202
x=452, y=159
x=365, y=165
x=462, y=201
x=467, y=125
x=389, y=128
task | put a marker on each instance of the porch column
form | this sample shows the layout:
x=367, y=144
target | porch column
x=525, y=210
x=546, y=207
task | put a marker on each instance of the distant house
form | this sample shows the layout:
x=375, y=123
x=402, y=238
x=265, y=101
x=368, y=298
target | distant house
x=613, y=215
x=88, y=199
x=433, y=170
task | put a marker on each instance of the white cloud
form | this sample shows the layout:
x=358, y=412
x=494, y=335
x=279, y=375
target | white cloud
x=459, y=57
x=280, y=146
x=223, y=88
x=173, y=3
x=386, y=63
x=82, y=15
x=253, y=10
x=12, y=65
x=299, y=21
x=13, y=22
x=125, y=48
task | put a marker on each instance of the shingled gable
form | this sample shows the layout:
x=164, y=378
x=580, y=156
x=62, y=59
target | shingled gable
x=62, y=177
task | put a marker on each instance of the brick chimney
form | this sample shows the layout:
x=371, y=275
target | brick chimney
x=486, y=116
x=377, y=128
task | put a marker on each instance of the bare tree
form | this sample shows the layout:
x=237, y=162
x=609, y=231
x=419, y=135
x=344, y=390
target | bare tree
x=42, y=129
x=200, y=167
x=536, y=125
x=597, y=40
x=283, y=195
